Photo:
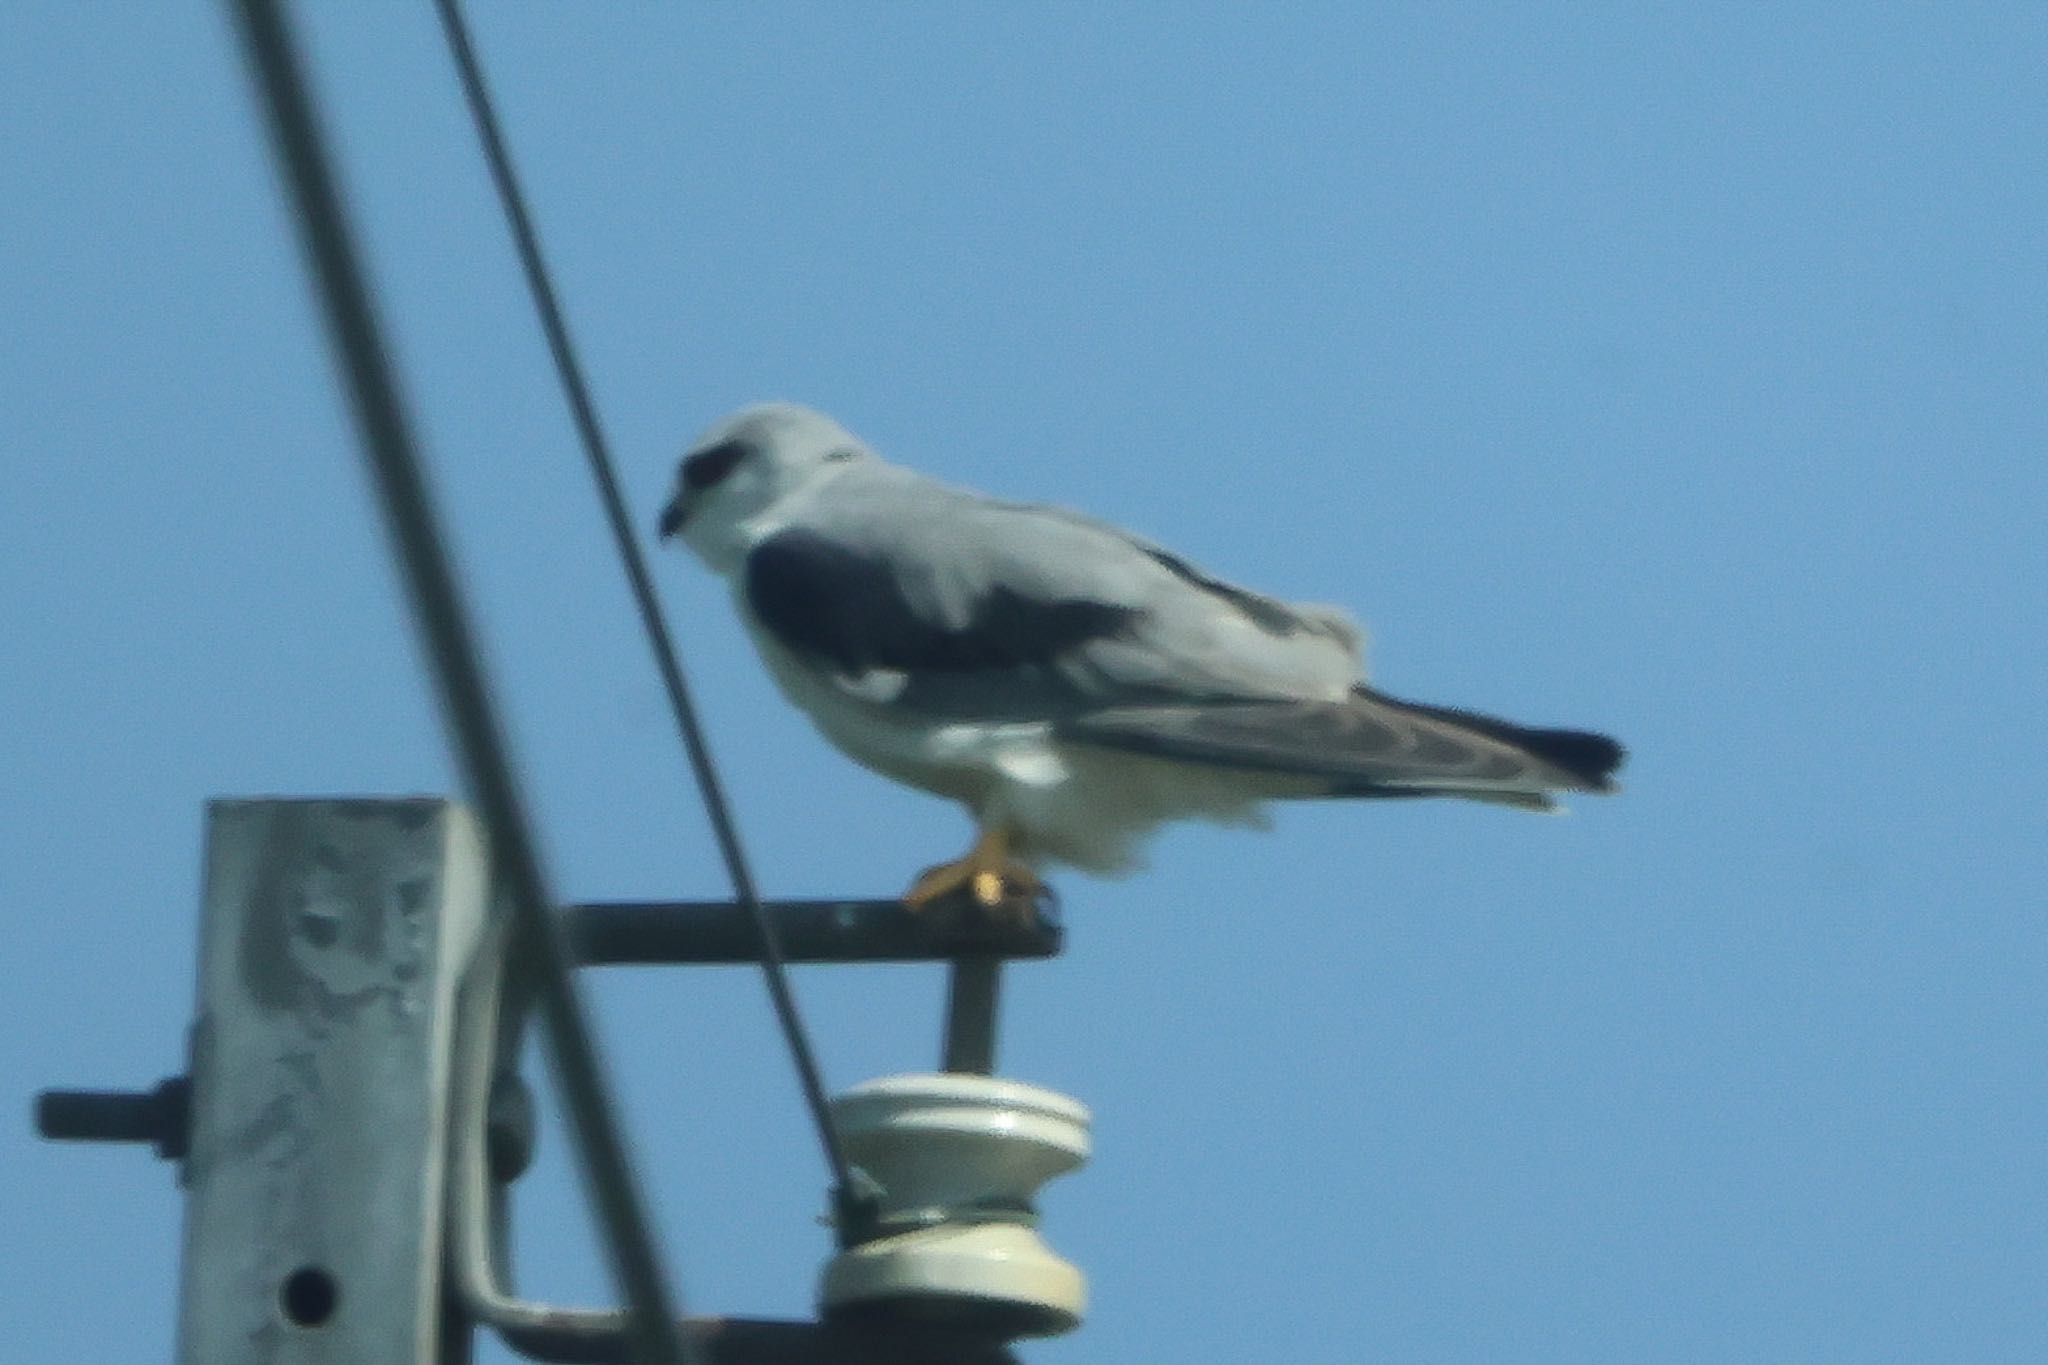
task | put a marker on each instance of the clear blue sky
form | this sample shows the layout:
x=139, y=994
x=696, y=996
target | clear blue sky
x=1671, y=369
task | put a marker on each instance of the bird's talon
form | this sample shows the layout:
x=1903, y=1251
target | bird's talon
x=933, y=884
x=997, y=889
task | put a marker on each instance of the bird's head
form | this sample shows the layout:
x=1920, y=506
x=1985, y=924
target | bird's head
x=732, y=478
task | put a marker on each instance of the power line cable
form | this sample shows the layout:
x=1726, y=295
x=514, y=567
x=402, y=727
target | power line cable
x=667, y=660
x=392, y=456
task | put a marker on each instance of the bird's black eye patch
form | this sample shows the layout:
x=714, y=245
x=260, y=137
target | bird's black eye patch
x=843, y=453
x=709, y=467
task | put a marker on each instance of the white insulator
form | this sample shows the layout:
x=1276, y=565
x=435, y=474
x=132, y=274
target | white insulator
x=959, y=1160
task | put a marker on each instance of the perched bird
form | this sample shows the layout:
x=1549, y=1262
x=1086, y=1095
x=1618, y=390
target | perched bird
x=1073, y=685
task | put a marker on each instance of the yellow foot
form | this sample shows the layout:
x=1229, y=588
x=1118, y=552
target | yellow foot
x=990, y=886
x=987, y=873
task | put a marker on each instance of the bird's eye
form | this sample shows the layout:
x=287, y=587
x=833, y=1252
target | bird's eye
x=708, y=467
x=843, y=453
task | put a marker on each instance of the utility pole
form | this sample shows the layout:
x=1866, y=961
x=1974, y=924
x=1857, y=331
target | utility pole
x=313, y=1123
x=332, y=1163
x=333, y=936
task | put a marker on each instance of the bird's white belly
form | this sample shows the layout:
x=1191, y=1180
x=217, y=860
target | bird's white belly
x=1061, y=802
x=964, y=760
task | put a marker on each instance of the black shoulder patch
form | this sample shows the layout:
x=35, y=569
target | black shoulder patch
x=826, y=599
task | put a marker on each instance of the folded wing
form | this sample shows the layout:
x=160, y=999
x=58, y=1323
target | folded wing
x=1369, y=744
x=996, y=611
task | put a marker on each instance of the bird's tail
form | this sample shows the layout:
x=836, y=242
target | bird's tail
x=1369, y=745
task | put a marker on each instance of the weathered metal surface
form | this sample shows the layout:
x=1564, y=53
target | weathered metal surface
x=333, y=936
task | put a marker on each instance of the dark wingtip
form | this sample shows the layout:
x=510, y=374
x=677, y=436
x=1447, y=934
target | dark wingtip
x=1590, y=757
x=1585, y=755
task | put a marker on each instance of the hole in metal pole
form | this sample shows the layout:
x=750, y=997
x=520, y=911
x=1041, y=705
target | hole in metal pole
x=309, y=1296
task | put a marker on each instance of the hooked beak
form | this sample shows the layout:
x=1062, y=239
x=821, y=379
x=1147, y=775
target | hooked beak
x=674, y=515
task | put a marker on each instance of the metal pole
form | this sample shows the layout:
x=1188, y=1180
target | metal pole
x=645, y=933
x=973, y=991
x=333, y=937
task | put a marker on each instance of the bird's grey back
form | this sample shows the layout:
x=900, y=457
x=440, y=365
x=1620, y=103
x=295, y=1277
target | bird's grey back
x=1170, y=631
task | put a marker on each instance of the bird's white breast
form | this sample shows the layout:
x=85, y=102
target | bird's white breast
x=966, y=760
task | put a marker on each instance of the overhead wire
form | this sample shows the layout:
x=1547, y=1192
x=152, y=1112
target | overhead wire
x=667, y=659
x=391, y=453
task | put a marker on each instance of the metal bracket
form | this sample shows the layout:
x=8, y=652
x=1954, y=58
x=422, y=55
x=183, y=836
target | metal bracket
x=310, y=890
x=161, y=1117
x=973, y=941
x=646, y=933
